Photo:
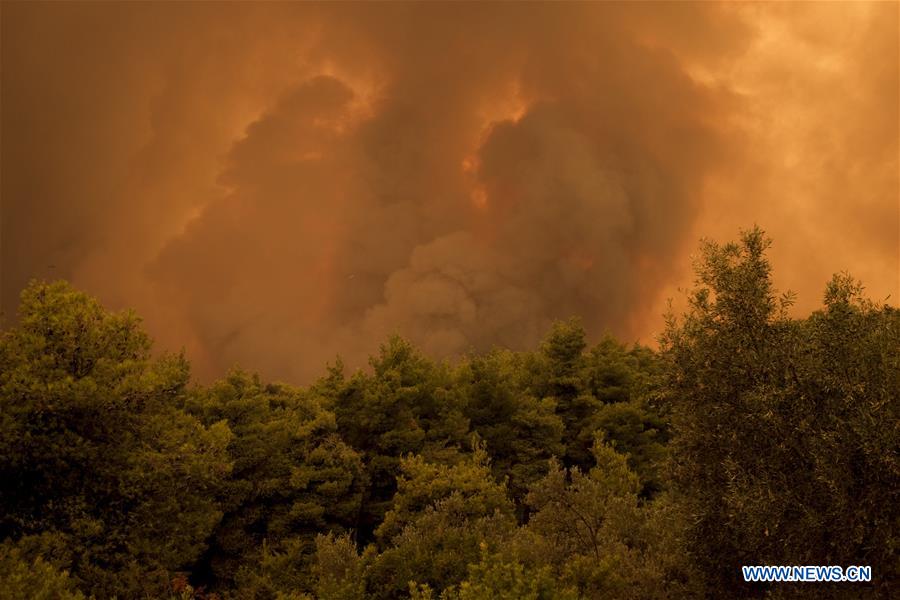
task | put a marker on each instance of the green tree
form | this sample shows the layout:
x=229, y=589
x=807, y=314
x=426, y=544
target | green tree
x=786, y=436
x=559, y=369
x=607, y=388
x=493, y=578
x=610, y=371
x=521, y=432
x=497, y=576
x=599, y=538
x=94, y=448
x=636, y=430
x=627, y=383
x=340, y=569
x=35, y=579
x=441, y=517
x=293, y=478
x=406, y=405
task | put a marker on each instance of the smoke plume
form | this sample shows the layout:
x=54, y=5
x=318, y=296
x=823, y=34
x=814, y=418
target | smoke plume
x=274, y=184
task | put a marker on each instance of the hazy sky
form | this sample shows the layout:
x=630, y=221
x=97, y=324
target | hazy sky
x=274, y=184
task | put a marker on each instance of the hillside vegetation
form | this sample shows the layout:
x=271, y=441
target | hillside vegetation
x=568, y=471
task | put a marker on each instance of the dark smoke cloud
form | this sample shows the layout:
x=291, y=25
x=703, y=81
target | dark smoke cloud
x=275, y=184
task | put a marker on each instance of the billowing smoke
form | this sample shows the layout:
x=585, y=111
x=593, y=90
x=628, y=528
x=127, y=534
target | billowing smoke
x=273, y=185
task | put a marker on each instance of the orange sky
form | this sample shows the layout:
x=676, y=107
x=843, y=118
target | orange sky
x=274, y=184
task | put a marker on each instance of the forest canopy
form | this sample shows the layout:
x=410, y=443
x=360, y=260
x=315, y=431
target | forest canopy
x=572, y=470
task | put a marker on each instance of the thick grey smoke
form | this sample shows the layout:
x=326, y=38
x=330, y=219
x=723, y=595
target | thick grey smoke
x=272, y=185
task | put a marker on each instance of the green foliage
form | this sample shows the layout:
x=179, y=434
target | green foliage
x=521, y=432
x=560, y=374
x=598, y=538
x=440, y=518
x=496, y=577
x=572, y=471
x=293, y=478
x=610, y=371
x=340, y=570
x=34, y=579
x=785, y=447
x=406, y=405
x=638, y=432
x=572, y=508
x=94, y=448
x=606, y=388
x=423, y=484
